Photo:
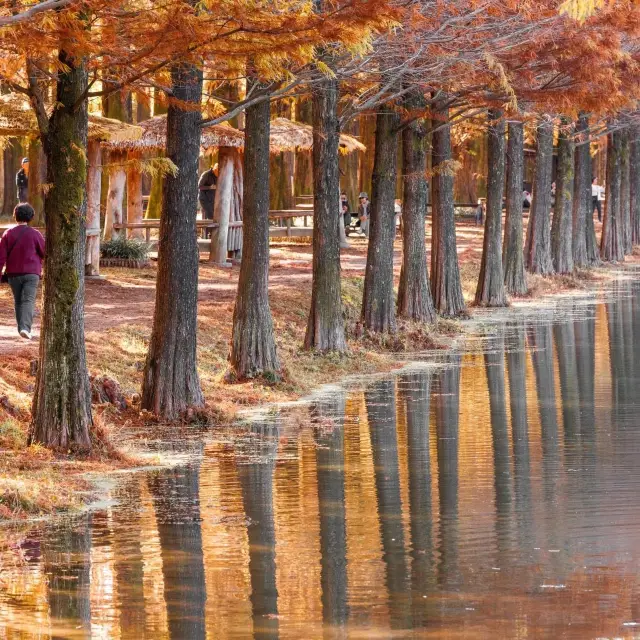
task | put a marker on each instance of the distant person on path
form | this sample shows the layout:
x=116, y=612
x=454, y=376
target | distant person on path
x=22, y=181
x=364, y=212
x=526, y=200
x=596, y=197
x=480, y=211
x=397, y=213
x=344, y=200
x=21, y=255
x=346, y=215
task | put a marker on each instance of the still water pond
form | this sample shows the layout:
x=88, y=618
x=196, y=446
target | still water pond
x=496, y=495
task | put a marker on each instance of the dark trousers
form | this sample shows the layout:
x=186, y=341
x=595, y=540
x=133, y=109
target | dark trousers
x=24, y=294
x=597, y=205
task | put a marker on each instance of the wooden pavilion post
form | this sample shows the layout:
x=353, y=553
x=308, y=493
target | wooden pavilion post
x=94, y=172
x=134, y=196
x=117, y=181
x=222, y=209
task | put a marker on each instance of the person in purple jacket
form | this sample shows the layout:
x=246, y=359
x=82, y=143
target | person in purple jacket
x=21, y=255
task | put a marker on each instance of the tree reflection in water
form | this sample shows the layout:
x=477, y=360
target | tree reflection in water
x=381, y=413
x=176, y=499
x=415, y=392
x=447, y=405
x=331, y=501
x=256, y=480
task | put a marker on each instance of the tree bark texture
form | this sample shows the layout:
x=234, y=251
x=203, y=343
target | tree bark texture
x=61, y=412
x=414, y=294
x=582, y=202
x=325, y=326
x=171, y=384
x=222, y=206
x=612, y=243
x=562, y=229
x=94, y=175
x=446, y=287
x=37, y=178
x=253, y=347
x=12, y=156
x=491, y=291
x=625, y=192
x=134, y=198
x=634, y=185
x=378, y=305
x=115, y=198
x=515, y=279
x=538, y=246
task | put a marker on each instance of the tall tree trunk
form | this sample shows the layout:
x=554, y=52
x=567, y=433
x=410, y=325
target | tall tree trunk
x=12, y=155
x=490, y=291
x=62, y=400
x=37, y=178
x=171, y=384
x=562, y=229
x=538, y=247
x=115, y=198
x=134, y=197
x=612, y=243
x=378, y=307
x=94, y=173
x=446, y=287
x=325, y=326
x=253, y=347
x=593, y=253
x=634, y=186
x=582, y=201
x=515, y=280
x=222, y=206
x=414, y=294
x=625, y=192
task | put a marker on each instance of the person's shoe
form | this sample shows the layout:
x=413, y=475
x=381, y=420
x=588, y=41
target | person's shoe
x=25, y=334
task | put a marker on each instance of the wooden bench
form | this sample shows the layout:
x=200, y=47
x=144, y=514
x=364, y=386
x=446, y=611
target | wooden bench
x=234, y=242
x=284, y=228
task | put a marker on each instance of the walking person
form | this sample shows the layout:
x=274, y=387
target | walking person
x=596, y=197
x=21, y=255
x=22, y=181
x=364, y=212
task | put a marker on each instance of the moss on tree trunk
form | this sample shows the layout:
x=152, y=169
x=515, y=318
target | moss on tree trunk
x=634, y=185
x=61, y=413
x=171, y=384
x=491, y=291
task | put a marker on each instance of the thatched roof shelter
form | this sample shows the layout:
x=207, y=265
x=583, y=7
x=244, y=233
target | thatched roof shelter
x=17, y=119
x=287, y=135
x=154, y=137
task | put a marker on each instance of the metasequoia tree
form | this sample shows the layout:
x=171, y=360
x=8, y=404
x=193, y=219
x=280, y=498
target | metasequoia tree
x=562, y=229
x=612, y=242
x=538, y=245
x=515, y=280
x=634, y=183
x=625, y=192
x=491, y=291
x=446, y=287
x=171, y=384
x=414, y=293
x=582, y=203
x=378, y=307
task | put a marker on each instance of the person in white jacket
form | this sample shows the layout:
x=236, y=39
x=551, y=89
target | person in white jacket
x=597, y=192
